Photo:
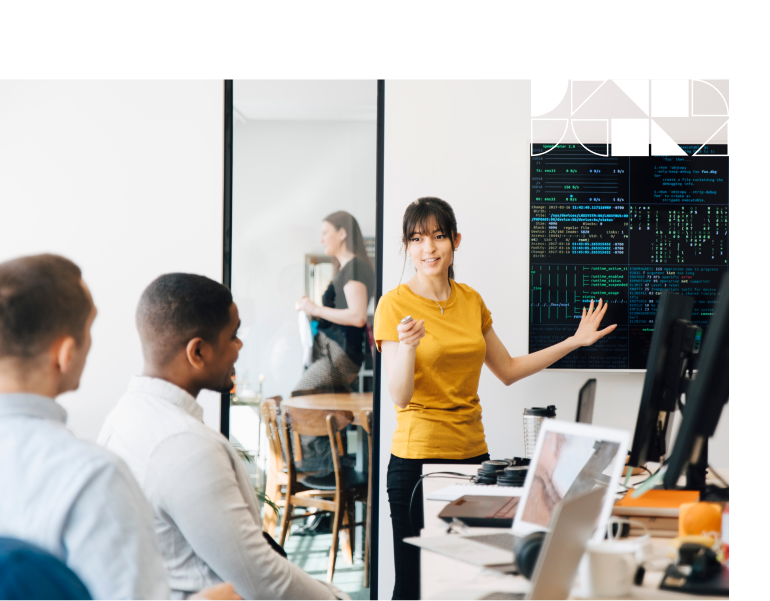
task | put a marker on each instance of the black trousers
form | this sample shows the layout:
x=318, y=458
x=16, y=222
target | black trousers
x=403, y=476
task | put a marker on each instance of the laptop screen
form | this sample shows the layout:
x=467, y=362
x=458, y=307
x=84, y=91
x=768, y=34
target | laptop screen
x=571, y=459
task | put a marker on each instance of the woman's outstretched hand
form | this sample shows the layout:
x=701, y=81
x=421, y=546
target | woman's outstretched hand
x=306, y=305
x=411, y=333
x=587, y=332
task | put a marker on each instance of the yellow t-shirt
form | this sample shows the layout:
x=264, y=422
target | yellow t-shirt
x=443, y=419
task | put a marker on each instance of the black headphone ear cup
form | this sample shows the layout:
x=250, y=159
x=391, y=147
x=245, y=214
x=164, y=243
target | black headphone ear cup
x=705, y=566
x=526, y=551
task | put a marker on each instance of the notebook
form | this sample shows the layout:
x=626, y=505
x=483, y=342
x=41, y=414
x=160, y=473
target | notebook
x=656, y=502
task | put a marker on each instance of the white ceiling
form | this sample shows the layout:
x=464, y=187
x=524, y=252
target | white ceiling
x=304, y=100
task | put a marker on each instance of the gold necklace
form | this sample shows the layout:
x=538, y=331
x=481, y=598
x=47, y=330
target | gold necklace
x=434, y=300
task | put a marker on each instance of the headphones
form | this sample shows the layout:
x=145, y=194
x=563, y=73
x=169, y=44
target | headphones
x=526, y=551
x=503, y=472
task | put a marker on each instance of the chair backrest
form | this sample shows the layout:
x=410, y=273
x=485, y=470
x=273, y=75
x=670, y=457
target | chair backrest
x=366, y=422
x=269, y=410
x=310, y=422
x=333, y=427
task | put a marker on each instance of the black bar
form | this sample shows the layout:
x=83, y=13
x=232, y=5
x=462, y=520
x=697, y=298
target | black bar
x=375, y=483
x=227, y=233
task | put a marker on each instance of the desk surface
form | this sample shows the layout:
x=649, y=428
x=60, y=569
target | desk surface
x=440, y=574
x=354, y=401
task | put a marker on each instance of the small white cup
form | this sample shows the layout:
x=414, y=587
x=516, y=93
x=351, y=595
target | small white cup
x=611, y=568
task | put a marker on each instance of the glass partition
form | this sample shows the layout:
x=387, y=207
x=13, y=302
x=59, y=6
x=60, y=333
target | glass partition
x=303, y=240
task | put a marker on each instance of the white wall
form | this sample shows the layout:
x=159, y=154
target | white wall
x=467, y=142
x=125, y=179
x=288, y=176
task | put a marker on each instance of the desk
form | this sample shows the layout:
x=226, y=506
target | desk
x=440, y=574
x=354, y=401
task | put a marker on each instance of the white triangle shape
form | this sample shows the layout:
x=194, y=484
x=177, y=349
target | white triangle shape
x=678, y=52
x=565, y=9
x=582, y=25
x=662, y=144
x=638, y=90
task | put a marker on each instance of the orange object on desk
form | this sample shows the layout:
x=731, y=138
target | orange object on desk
x=700, y=518
x=656, y=502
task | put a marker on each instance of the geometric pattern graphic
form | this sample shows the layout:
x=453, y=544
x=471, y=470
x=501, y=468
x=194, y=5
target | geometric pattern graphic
x=720, y=46
x=631, y=117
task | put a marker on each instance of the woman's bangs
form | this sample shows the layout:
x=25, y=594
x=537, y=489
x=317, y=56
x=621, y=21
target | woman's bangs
x=423, y=218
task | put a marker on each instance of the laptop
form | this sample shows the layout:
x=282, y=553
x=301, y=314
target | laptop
x=570, y=460
x=496, y=512
x=482, y=511
x=559, y=558
x=585, y=408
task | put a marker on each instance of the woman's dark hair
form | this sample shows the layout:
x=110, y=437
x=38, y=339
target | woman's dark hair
x=354, y=241
x=419, y=216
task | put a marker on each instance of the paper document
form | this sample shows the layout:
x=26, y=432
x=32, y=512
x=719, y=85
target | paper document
x=455, y=491
x=306, y=337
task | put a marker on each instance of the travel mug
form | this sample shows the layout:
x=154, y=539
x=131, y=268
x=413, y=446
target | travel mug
x=533, y=417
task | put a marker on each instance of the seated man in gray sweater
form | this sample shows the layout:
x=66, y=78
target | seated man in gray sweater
x=207, y=517
x=73, y=499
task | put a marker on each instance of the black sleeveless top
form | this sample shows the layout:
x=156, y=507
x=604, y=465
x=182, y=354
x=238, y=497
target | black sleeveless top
x=352, y=339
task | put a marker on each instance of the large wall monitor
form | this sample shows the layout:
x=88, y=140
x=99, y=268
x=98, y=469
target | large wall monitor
x=622, y=229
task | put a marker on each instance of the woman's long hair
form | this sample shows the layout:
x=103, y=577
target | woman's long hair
x=418, y=217
x=354, y=241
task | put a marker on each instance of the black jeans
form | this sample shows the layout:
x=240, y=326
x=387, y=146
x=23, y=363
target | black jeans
x=403, y=476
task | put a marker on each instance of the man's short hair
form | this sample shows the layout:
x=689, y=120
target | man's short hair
x=41, y=299
x=176, y=308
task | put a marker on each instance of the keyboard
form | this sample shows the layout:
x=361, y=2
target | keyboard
x=501, y=540
x=502, y=595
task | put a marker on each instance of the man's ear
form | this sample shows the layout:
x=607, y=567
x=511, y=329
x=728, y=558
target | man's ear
x=62, y=353
x=195, y=352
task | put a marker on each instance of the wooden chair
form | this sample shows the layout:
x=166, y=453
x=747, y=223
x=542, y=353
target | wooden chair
x=335, y=492
x=277, y=476
x=366, y=421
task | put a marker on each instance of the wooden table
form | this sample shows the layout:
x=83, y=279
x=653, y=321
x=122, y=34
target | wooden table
x=354, y=401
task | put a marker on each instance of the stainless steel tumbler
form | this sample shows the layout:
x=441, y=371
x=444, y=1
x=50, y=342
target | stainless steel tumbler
x=533, y=418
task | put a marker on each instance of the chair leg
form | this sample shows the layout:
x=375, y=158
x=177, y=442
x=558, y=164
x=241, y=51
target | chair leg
x=367, y=542
x=350, y=506
x=335, y=541
x=285, y=521
x=345, y=535
x=273, y=491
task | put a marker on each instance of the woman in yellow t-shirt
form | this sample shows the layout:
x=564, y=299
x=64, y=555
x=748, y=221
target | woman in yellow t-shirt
x=433, y=364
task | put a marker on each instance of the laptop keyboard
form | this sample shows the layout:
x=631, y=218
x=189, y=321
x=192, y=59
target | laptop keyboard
x=502, y=595
x=501, y=540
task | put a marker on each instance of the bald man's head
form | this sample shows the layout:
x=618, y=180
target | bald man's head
x=176, y=308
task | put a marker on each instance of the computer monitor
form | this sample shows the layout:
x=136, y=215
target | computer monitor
x=585, y=410
x=675, y=342
x=706, y=396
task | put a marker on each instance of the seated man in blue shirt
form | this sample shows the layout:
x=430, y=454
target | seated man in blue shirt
x=73, y=499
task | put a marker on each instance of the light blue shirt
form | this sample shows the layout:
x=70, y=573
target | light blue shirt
x=77, y=501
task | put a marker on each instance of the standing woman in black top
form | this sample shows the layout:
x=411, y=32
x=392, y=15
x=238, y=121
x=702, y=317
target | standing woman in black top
x=340, y=346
